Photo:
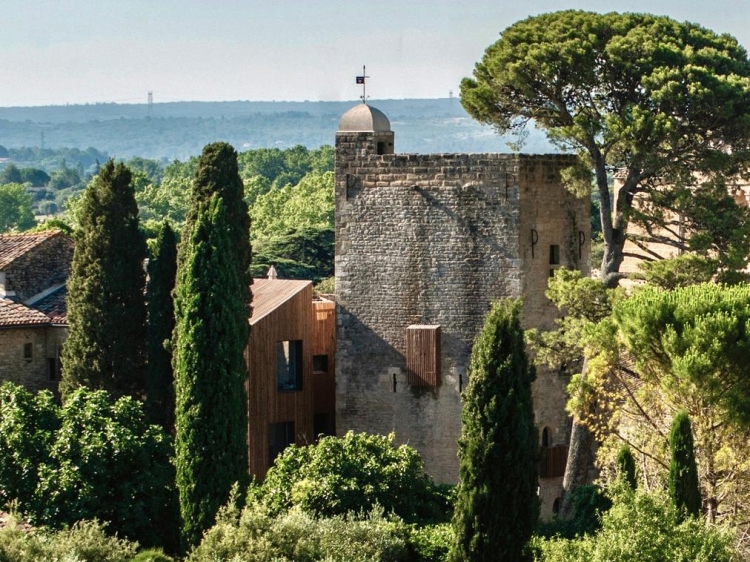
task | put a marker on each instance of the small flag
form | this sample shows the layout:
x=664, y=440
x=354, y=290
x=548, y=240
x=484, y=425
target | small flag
x=360, y=79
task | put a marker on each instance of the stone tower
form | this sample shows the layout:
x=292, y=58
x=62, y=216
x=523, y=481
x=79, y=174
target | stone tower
x=424, y=244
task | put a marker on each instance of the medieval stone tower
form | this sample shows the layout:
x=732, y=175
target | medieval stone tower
x=424, y=244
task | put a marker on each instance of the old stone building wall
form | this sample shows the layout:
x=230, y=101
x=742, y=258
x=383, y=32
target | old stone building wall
x=433, y=239
x=41, y=370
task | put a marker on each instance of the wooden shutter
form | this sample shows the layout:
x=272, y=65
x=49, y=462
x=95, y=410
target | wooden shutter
x=423, y=355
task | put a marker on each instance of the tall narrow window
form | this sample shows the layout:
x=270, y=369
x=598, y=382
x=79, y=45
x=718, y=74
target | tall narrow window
x=423, y=355
x=28, y=351
x=289, y=365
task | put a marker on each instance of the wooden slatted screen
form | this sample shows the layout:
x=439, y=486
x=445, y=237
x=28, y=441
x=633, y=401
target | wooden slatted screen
x=423, y=355
x=553, y=461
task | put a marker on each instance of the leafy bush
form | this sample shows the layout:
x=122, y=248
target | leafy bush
x=87, y=459
x=641, y=526
x=257, y=536
x=355, y=473
x=430, y=543
x=85, y=541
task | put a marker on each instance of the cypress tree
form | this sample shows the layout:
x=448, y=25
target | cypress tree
x=626, y=466
x=497, y=506
x=683, y=471
x=105, y=348
x=211, y=333
x=162, y=270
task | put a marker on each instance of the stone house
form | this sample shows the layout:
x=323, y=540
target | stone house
x=33, y=324
x=424, y=244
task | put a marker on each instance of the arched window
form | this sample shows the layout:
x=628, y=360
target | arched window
x=546, y=437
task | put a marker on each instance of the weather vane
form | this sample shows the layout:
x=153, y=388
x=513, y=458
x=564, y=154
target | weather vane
x=361, y=80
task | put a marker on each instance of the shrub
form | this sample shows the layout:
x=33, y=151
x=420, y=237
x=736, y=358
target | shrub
x=355, y=473
x=642, y=526
x=85, y=541
x=430, y=543
x=88, y=459
x=256, y=536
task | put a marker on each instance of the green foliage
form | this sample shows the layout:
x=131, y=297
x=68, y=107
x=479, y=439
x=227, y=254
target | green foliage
x=152, y=555
x=300, y=253
x=680, y=271
x=309, y=203
x=642, y=526
x=10, y=174
x=106, y=308
x=588, y=504
x=652, y=97
x=15, y=208
x=211, y=312
x=85, y=541
x=692, y=341
x=683, y=472
x=256, y=536
x=354, y=473
x=497, y=505
x=35, y=177
x=430, y=543
x=162, y=272
x=88, y=459
x=626, y=466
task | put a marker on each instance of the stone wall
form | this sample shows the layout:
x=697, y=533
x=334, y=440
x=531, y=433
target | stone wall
x=40, y=268
x=33, y=373
x=433, y=239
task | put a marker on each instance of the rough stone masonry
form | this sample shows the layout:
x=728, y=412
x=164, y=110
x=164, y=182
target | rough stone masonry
x=432, y=240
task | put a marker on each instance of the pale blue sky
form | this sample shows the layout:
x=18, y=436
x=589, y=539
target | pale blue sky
x=86, y=51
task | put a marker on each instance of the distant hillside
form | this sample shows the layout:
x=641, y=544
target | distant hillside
x=179, y=130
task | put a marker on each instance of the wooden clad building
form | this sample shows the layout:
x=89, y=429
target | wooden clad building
x=284, y=349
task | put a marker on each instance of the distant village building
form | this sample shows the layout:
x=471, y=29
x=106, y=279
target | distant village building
x=424, y=244
x=33, y=323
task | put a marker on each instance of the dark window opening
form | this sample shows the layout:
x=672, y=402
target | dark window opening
x=280, y=436
x=546, y=437
x=320, y=363
x=381, y=147
x=53, y=368
x=556, y=506
x=28, y=351
x=289, y=365
x=554, y=254
x=323, y=425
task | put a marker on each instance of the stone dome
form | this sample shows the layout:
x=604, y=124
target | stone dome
x=363, y=118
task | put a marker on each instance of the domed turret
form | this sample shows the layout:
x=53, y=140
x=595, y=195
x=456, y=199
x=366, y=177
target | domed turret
x=364, y=130
x=364, y=118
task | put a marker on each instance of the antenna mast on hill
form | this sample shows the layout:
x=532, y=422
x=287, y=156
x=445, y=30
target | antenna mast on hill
x=361, y=80
x=150, y=101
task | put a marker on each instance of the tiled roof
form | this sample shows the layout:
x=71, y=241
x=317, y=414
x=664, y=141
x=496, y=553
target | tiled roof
x=13, y=246
x=17, y=314
x=53, y=305
x=268, y=294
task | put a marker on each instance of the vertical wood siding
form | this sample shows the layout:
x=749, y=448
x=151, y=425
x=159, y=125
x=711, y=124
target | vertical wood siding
x=423, y=355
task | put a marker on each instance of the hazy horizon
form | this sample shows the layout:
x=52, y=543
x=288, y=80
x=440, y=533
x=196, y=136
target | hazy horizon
x=85, y=52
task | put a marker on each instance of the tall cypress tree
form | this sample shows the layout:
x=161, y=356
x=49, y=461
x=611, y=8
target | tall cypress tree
x=626, y=466
x=106, y=309
x=497, y=505
x=211, y=333
x=683, y=471
x=162, y=271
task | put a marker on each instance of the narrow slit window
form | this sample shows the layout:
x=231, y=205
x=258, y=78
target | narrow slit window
x=28, y=351
x=554, y=254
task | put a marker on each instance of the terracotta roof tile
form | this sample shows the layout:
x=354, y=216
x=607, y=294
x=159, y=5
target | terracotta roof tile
x=268, y=294
x=17, y=314
x=13, y=246
x=54, y=306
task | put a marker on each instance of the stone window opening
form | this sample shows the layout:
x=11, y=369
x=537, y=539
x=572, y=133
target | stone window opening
x=381, y=147
x=28, y=351
x=546, y=437
x=289, y=365
x=554, y=254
